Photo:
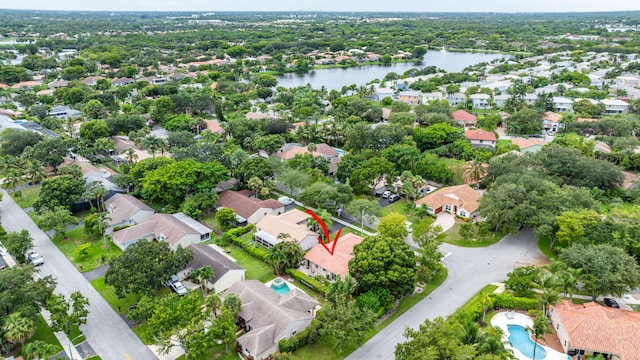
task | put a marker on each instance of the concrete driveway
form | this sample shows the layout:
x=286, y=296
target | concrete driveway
x=105, y=331
x=469, y=271
x=445, y=220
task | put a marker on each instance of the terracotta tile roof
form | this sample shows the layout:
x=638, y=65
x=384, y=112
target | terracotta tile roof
x=326, y=150
x=602, y=329
x=551, y=116
x=213, y=126
x=122, y=207
x=243, y=204
x=580, y=120
x=29, y=84
x=461, y=115
x=338, y=263
x=479, y=134
x=462, y=196
x=289, y=151
x=4, y=86
x=523, y=143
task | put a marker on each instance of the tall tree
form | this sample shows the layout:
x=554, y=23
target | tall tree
x=18, y=328
x=284, y=255
x=18, y=244
x=56, y=219
x=68, y=314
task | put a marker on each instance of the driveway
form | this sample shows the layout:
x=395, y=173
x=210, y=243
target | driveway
x=469, y=271
x=445, y=220
x=105, y=331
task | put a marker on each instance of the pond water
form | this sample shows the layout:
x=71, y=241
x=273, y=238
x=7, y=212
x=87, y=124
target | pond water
x=336, y=78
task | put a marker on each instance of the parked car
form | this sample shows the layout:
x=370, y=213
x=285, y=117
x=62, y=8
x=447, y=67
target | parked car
x=611, y=303
x=35, y=258
x=3, y=264
x=177, y=286
x=394, y=197
x=285, y=200
x=385, y=195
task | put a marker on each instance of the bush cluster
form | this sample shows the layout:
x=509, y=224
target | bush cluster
x=310, y=335
x=308, y=281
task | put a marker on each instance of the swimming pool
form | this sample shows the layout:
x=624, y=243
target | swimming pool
x=280, y=286
x=520, y=339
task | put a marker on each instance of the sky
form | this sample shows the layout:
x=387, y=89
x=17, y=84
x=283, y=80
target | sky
x=328, y=5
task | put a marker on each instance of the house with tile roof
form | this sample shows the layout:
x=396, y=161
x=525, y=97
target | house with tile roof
x=292, y=225
x=464, y=118
x=460, y=200
x=290, y=150
x=530, y=145
x=481, y=138
x=247, y=207
x=176, y=229
x=226, y=269
x=587, y=329
x=551, y=122
x=125, y=210
x=318, y=261
x=269, y=317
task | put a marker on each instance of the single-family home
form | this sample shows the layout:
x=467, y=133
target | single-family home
x=530, y=99
x=92, y=80
x=481, y=138
x=226, y=271
x=426, y=97
x=589, y=329
x=318, y=261
x=629, y=80
x=125, y=210
x=457, y=99
x=460, y=200
x=269, y=317
x=615, y=106
x=214, y=126
x=386, y=112
x=122, y=81
x=530, y=145
x=382, y=93
x=410, y=97
x=480, y=101
x=562, y=104
x=501, y=100
x=176, y=229
x=58, y=84
x=595, y=80
x=248, y=208
x=464, y=118
x=290, y=226
x=63, y=112
x=289, y=151
x=26, y=85
x=551, y=122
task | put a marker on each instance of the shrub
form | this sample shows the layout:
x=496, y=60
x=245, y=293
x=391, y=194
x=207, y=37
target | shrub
x=311, y=283
x=509, y=301
x=369, y=300
x=310, y=335
x=81, y=251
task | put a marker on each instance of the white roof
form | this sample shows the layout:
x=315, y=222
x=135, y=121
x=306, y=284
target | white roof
x=614, y=102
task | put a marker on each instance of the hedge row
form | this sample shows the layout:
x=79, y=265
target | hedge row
x=508, y=301
x=310, y=282
x=310, y=335
x=234, y=236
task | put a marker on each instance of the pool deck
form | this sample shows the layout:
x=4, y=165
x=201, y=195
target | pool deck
x=501, y=321
x=291, y=286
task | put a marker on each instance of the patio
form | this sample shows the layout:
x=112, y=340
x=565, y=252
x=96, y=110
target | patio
x=505, y=318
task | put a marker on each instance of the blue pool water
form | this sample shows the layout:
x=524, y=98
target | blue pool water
x=340, y=152
x=519, y=339
x=279, y=286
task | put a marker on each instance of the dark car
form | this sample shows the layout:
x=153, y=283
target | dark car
x=394, y=197
x=611, y=303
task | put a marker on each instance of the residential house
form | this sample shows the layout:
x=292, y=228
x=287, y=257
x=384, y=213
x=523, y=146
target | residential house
x=629, y=80
x=464, y=118
x=426, y=97
x=589, y=329
x=253, y=115
x=386, y=112
x=615, y=106
x=318, y=261
x=551, y=122
x=382, y=93
x=269, y=317
x=247, y=207
x=480, y=101
x=226, y=271
x=595, y=80
x=460, y=200
x=92, y=80
x=290, y=226
x=58, y=84
x=289, y=151
x=122, y=81
x=530, y=145
x=176, y=229
x=154, y=80
x=481, y=138
x=410, y=97
x=63, y=112
x=26, y=85
x=501, y=100
x=125, y=210
x=530, y=99
x=457, y=99
x=562, y=104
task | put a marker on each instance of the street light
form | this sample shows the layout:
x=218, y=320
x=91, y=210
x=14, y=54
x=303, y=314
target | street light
x=362, y=217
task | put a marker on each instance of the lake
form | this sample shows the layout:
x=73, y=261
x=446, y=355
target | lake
x=336, y=78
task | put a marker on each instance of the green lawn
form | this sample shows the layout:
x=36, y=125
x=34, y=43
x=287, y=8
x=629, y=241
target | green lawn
x=44, y=333
x=31, y=194
x=453, y=237
x=108, y=292
x=471, y=303
x=255, y=269
x=96, y=255
x=324, y=349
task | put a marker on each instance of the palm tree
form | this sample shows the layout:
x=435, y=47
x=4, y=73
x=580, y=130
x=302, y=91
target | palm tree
x=487, y=302
x=233, y=303
x=314, y=225
x=476, y=171
x=152, y=143
x=547, y=294
x=13, y=178
x=539, y=330
x=17, y=328
x=38, y=349
x=568, y=280
x=213, y=304
x=203, y=276
x=130, y=155
x=35, y=171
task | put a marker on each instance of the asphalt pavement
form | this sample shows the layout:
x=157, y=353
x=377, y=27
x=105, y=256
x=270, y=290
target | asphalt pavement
x=470, y=269
x=105, y=331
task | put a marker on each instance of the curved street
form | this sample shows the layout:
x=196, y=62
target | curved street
x=105, y=331
x=470, y=269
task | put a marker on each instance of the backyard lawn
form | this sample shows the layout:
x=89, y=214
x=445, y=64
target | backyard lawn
x=44, y=333
x=256, y=269
x=31, y=194
x=108, y=292
x=477, y=240
x=95, y=255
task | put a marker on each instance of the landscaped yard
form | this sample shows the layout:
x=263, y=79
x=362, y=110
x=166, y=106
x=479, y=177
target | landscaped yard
x=477, y=240
x=44, y=333
x=256, y=269
x=120, y=305
x=95, y=256
x=31, y=194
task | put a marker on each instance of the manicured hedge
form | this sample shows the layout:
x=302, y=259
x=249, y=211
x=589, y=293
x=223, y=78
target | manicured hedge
x=234, y=236
x=508, y=301
x=308, y=281
x=310, y=335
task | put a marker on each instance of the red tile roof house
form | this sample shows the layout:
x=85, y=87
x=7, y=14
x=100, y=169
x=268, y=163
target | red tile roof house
x=591, y=328
x=292, y=225
x=464, y=118
x=481, y=138
x=176, y=229
x=247, y=207
x=269, y=317
x=289, y=151
x=460, y=200
x=319, y=261
x=124, y=210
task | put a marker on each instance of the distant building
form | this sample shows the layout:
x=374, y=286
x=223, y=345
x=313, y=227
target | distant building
x=481, y=138
x=410, y=97
x=460, y=200
x=176, y=229
x=615, y=106
x=464, y=118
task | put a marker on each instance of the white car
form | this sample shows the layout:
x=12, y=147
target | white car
x=35, y=258
x=177, y=286
x=386, y=194
x=285, y=200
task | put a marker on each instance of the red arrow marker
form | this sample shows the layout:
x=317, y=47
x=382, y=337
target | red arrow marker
x=326, y=232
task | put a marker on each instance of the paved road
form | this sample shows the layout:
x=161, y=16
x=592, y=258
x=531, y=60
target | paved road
x=105, y=331
x=469, y=271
